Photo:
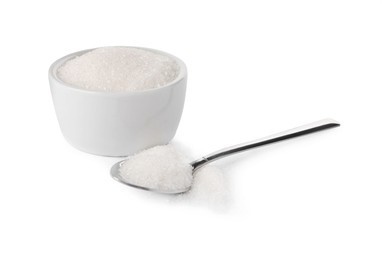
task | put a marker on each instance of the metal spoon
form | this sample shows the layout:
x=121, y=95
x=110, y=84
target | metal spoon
x=197, y=164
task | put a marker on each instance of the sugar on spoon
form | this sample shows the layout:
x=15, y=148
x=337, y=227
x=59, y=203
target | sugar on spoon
x=197, y=164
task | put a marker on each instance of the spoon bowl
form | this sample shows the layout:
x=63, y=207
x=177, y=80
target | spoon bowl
x=116, y=175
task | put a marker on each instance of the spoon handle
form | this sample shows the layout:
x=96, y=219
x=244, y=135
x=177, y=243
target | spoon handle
x=292, y=133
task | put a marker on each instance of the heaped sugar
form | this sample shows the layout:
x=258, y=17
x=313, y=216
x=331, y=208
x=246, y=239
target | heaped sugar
x=163, y=168
x=167, y=168
x=114, y=69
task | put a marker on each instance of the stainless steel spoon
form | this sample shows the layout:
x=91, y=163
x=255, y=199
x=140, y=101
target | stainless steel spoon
x=292, y=133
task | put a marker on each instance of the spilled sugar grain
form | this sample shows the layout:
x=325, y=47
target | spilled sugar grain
x=113, y=69
x=210, y=188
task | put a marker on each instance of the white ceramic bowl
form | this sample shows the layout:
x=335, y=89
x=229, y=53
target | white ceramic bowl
x=117, y=123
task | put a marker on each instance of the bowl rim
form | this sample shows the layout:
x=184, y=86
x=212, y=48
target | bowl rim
x=58, y=63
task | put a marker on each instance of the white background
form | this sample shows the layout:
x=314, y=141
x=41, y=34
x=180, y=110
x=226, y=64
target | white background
x=255, y=68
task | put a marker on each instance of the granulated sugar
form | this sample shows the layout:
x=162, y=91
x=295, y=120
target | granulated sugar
x=114, y=69
x=210, y=188
x=161, y=168
x=167, y=168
